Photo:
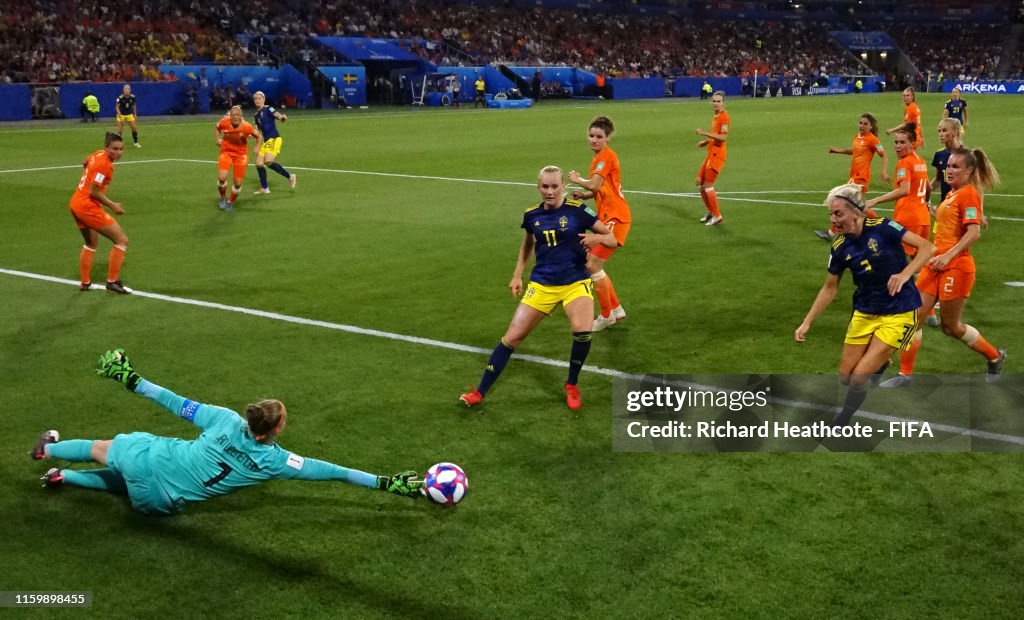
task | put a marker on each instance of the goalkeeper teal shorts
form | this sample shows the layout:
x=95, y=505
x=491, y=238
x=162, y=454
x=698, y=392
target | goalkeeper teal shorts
x=129, y=457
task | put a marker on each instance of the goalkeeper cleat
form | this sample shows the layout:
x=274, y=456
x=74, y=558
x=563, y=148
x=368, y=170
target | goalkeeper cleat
x=572, y=397
x=118, y=287
x=48, y=437
x=404, y=484
x=995, y=369
x=471, y=398
x=53, y=478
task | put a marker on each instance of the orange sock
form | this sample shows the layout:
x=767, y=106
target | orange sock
x=85, y=263
x=223, y=189
x=234, y=193
x=932, y=311
x=603, y=287
x=870, y=212
x=116, y=259
x=908, y=357
x=982, y=346
x=614, y=298
x=712, y=202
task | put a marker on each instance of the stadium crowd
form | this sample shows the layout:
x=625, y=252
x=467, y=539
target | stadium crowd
x=87, y=40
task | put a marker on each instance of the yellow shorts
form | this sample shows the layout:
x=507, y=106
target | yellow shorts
x=127, y=118
x=271, y=146
x=895, y=330
x=546, y=298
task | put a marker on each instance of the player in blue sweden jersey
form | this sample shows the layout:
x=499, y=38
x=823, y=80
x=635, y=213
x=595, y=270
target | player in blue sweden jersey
x=266, y=118
x=160, y=475
x=956, y=108
x=885, y=302
x=556, y=230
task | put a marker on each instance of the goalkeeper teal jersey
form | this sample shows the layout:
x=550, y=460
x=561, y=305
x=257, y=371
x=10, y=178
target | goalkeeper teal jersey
x=225, y=457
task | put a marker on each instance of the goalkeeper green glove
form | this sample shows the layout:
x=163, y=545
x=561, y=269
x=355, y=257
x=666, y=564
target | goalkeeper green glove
x=116, y=365
x=403, y=484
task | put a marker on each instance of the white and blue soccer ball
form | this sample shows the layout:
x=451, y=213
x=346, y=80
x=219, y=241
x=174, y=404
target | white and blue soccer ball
x=445, y=484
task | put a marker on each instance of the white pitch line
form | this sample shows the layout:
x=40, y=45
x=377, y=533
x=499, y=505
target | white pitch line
x=536, y=359
x=507, y=183
x=122, y=163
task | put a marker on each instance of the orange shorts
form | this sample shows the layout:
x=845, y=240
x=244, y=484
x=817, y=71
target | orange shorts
x=709, y=171
x=620, y=230
x=862, y=182
x=921, y=230
x=238, y=161
x=945, y=285
x=91, y=217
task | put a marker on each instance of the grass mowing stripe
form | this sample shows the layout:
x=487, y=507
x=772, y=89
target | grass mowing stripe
x=609, y=372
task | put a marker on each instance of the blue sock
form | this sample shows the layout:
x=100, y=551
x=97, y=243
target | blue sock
x=497, y=363
x=580, y=350
x=77, y=450
x=278, y=168
x=98, y=479
x=260, y=170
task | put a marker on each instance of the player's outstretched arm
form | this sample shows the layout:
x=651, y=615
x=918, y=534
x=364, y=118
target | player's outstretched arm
x=116, y=365
x=405, y=483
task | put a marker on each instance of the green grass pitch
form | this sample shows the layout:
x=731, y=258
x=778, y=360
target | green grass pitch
x=406, y=222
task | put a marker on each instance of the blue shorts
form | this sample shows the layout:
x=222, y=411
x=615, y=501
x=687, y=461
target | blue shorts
x=129, y=456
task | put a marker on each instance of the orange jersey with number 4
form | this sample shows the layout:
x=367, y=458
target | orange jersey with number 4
x=235, y=139
x=912, y=210
x=611, y=202
x=960, y=209
x=99, y=170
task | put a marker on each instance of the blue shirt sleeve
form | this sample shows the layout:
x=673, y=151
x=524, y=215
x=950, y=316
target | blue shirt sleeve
x=200, y=414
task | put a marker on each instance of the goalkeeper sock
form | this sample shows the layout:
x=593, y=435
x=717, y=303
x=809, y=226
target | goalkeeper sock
x=499, y=359
x=97, y=479
x=116, y=259
x=262, y=172
x=278, y=168
x=580, y=350
x=76, y=450
x=85, y=263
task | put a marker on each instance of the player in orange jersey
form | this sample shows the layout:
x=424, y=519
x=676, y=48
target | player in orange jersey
x=87, y=208
x=865, y=146
x=233, y=137
x=911, y=114
x=949, y=275
x=712, y=166
x=912, y=187
x=605, y=187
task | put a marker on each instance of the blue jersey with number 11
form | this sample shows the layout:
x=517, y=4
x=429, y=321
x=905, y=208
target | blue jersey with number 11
x=561, y=258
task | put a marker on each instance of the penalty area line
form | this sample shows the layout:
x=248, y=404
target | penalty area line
x=535, y=359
